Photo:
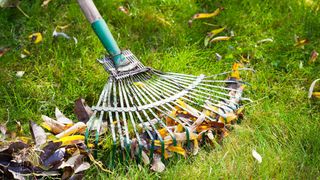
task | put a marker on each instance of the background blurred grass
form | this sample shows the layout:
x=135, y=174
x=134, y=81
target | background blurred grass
x=282, y=124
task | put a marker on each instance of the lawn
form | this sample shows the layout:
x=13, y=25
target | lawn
x=282, y=124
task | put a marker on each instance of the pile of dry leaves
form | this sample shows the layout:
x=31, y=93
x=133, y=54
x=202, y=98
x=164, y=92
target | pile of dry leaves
x=59, y=152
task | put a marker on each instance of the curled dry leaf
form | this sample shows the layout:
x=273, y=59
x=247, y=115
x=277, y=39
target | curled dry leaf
x=220, y=38
x=145, y=158
x=62, y=118
x=123, y=9
x=311, y=93
x=52, y=125
x=157, y=164
x=257, y=156
x=38, y=134
x=265, y=40
x=205, y=15
x=79, y=127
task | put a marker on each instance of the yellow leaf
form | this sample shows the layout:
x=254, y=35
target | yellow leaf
x=70, y=139
x=207, y=15
x=177, y=149
x=230, y=117
x=301, y=42
x=26, y=52
x=179, y=128
x=220, y=38
x=235, y=70
x=316, y=94
x=166, y=142
x=216, y=31
x=139, y=84
x=163, y=132
x=195, y=147
x=35, y=38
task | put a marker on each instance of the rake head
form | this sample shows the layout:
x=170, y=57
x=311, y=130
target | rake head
x=146, y=111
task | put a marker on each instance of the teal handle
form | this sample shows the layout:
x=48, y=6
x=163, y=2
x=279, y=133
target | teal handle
x=101, y=29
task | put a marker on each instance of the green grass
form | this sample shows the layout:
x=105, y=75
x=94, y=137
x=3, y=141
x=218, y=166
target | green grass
x=282, y=124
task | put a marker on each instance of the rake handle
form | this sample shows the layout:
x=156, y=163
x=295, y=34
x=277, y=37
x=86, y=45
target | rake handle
x=101, y=29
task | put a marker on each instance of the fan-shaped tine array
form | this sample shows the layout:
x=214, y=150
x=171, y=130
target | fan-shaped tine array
x=139, y=108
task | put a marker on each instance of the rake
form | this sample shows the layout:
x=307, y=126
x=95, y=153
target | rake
x=137, y=100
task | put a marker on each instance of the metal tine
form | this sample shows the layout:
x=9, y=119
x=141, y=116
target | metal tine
x=199, y=91
x=154, y=89
x=170, y=106
x=122, y=94
x=192, y=95
x=134, y=87
x=127, y=94
x=188, y=80
x=114, y=139
x=168, y=110
x=206, y=77
x=92, y=118
x=137, y=96
x=115, y=104
x=181, y=81
x=92, y=122
x=137, y=92
x=157, y=86
x=182, y=122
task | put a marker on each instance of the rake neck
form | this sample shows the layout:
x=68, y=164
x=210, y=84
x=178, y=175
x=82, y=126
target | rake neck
x=102, y=31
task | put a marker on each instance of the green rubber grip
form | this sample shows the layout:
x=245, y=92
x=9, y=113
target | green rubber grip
x=101, y=29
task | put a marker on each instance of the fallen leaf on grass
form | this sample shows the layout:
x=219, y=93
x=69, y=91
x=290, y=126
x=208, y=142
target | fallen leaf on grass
x=35, y=38
x=311, y=93
x=205, y=15
x=265, y=40
x=313, y=57
x=123, y=9
x=257, y=156
x=139, y=84
x=157, y=164
x=3, y=50
x=19, y=74
x=301, y=42
x=45, y=3
x=216, y=31
x=220, y=38
x=25, y=54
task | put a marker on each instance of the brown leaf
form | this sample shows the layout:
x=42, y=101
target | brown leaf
x=82, y=110
x=313, y=57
